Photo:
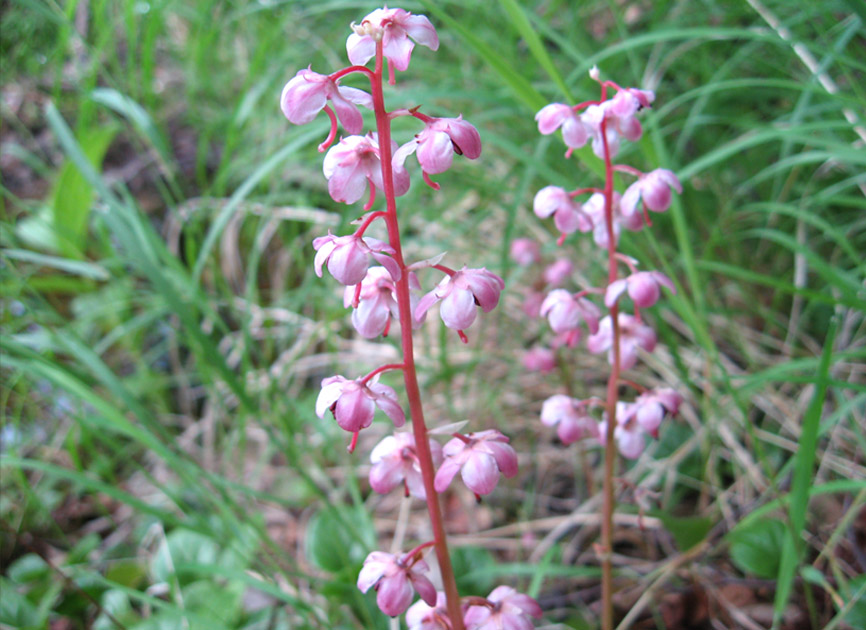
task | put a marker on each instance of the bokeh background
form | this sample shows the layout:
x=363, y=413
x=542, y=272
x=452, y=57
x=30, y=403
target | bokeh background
x=164, y=334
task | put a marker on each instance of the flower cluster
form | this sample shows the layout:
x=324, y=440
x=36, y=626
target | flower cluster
x=604, y=213
x=380, y=288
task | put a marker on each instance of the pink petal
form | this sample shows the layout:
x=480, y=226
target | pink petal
x=370, y=318
x=450, y=467
x=332, y=389
x=397, y=49
x=465, y=137
x=394, y=594
x=458, y=309
x=421, y=30
x=360, y=49
x=614, y=290
x=424, y=587
x=435, y=152
x=354, y=411
x=480, y=473
x=551, y=117
x=505, y=456
x=424, y=305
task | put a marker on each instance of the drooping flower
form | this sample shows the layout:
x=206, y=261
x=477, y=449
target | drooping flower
x=525, y=251
x=556, y=115
x=628, y=434
x=558, y=272
x=348, y=257
x=395, y=461
x=565, y=313
x=378, y=302
x=644, y=288
x=539, y=360
x=437, y=143
x=634, y=421
x=460, y=294
x=619, y=113
x=633, y=334
x=354, y=403
x=507, y=610
x=394, y=28
x=594, y=208
x=653, y=189
x=423, y=616
x=479, y=457
x=353, y=162
x=394, y=578
x=650, y=408
x=570, y=416
x=568, y=215
x=308, y=92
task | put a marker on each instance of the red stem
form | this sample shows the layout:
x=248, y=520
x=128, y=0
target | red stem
x=609, y=504
x=410, y=377
x=380, y=369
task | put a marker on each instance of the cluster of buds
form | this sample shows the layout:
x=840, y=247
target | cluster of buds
x=605, y=213
x=380, y=287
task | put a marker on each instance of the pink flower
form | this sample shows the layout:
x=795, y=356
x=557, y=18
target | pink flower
x=394, y=577
x=629, y=435
x=565, y=312
x=354, y=161
x=594, y=208
x=539, y=360
x=570, y=417
x=508, y=610
x=395, y=461
x=650, y=408
x=643, y=288
x=354, y=403
x=422, y=616
x=556, y=115
x=567, y=213
x=633, y=334
x=479, y=458
x=378, y=302
x=307, y=93
x=393, y=27
x=619, y=112
x=437, y=143
x=653, y=189
x=558, y=272
x=525, y=251
x=348, y=257
x=532, y=303
x=460, y=294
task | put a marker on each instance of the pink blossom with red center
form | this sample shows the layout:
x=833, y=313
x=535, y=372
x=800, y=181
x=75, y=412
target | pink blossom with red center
x=307, y=93
x=508, y=610
x=394, y=578
x=479, y=458
x=556, y=115
x=437, y=143
x=525, y=251
x=395, y=462
x=461, y=293
x=394, y=28
x=653, y=189
x=354, y=403
x=568, y=215
x=377, y=302
x=348, y=257
x=644, y=288
x=651, y=406
x=422, y=616
x=355, y=161
x=570, y=416
x=539, y=360
x=558, y=272
x=565, y=312
x=633, y=335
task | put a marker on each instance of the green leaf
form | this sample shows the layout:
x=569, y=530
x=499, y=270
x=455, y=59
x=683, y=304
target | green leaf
x=182, y=546
x=330, y=545
x=687, y=531
x=757, y=549
x=73, y=195
x=473, y=569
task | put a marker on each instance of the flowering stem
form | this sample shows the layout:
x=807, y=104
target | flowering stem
x=612, y=395
x=410, y=377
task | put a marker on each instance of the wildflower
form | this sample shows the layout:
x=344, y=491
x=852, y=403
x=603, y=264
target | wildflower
x=640, y=418
x=506, y=610
x=558, y=272
x=422, y=616
x=460, y=294
x=395, y=461
x=377, y=302
x=394, y=578
x=308, y=92
x=633, y=334
x=354, y=161
x=556, y=115
x=525, y=251
x=354, y=403
x=348, y=257
x=650, y=408
x=565, y=312
x=393, y=27
x=479, y=457
x=594, y=208
x=539, y=360
x=567, y=213
x=570, y=417
x=653, y=189
x=629, y=435
x=437, y=143
x=643, y=288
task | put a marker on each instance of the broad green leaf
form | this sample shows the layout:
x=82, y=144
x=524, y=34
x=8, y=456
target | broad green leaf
x=757, y=548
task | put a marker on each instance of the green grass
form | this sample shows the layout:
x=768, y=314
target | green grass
x=164, y=335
